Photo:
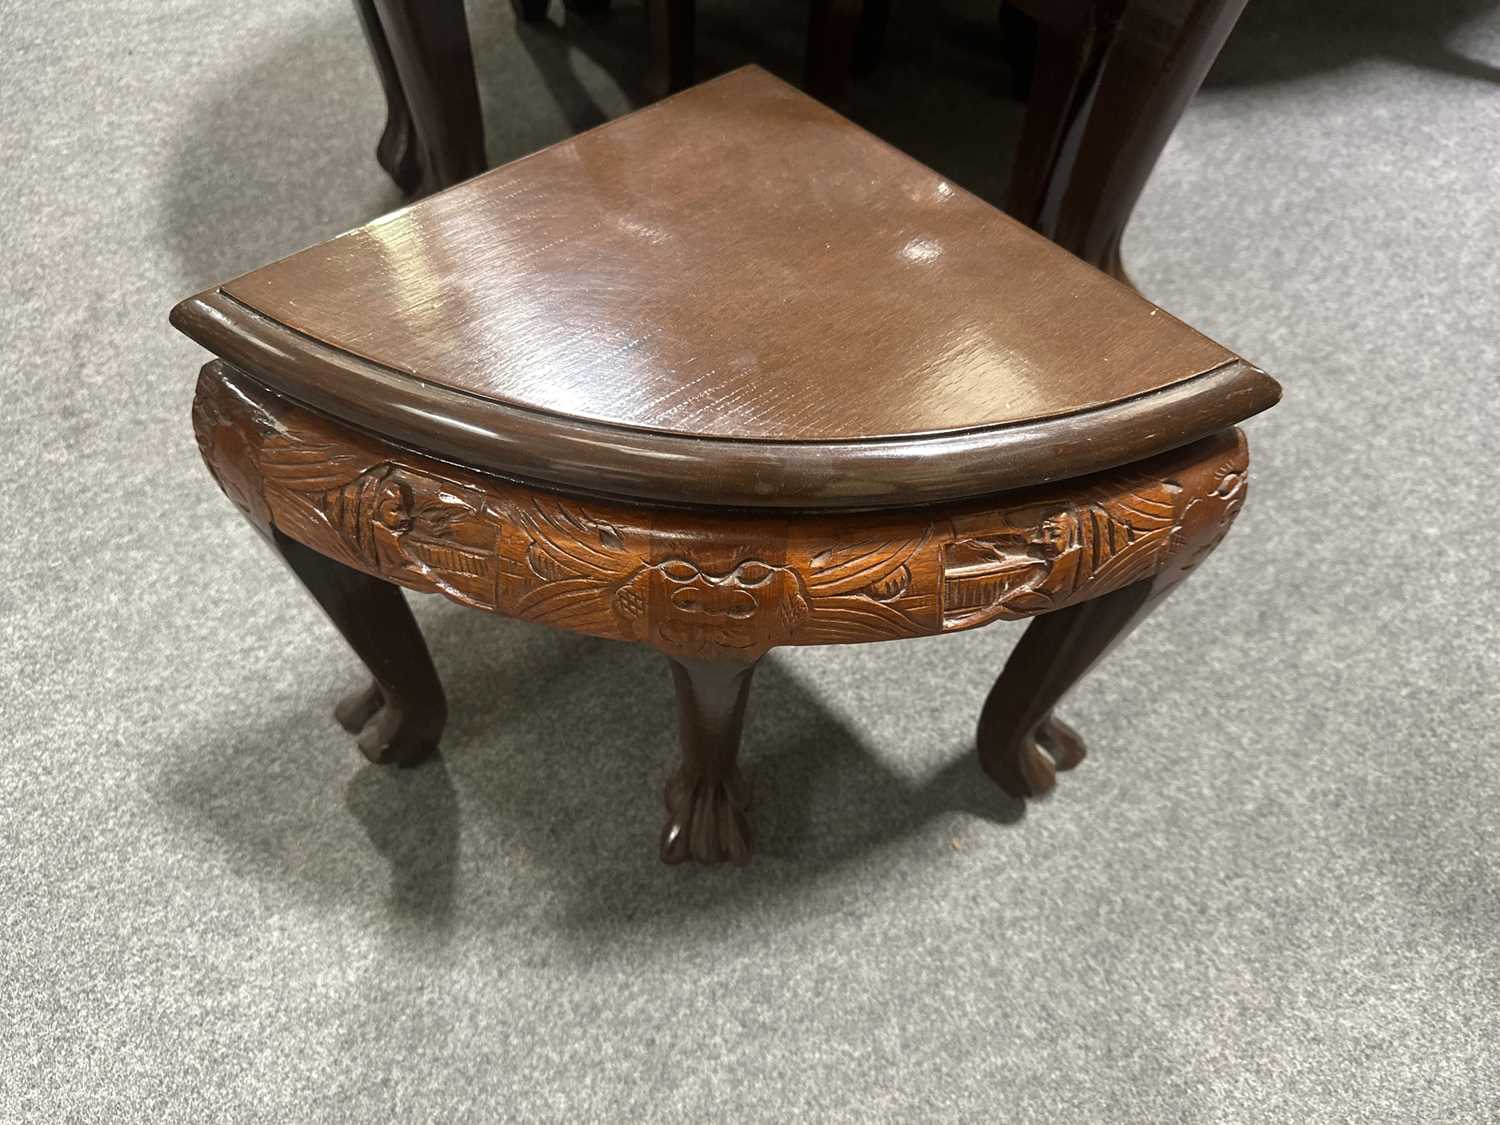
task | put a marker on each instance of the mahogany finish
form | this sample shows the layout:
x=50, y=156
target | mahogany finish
x=712, y=590
x=737, y=263
x=629, y=450
x=579, y=280
x=666, y=468
x=1110, y=80
x=434, y=135
x=705, y=584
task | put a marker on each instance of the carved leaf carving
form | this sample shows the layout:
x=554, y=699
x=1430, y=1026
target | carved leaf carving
x=300, y=463
x=863, y=592
x=722, y=586
x=1127, y=536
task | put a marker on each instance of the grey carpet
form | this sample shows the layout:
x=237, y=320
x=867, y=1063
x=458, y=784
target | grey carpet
x=1268, y=895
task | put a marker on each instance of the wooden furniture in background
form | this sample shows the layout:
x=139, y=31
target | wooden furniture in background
x=832, y=31
x=673, y=38
x=434, y=134
x=725, y=374
x=1108, y=84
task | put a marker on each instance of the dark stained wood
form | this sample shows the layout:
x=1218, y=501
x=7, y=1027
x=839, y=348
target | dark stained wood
x=1111, y=81
x=770, y=384
x=707, y=585
x=833, y=26
x=665, y=468
x=434, y=136
x=707, y=797
x=672, y=45
x=1022, y=744
x=396, y=151
x=1055, y=52
x=1112, y=78
x=736, y=264
x=712, y=590
x=399, y=718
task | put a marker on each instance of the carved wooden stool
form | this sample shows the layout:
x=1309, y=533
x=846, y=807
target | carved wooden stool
x=722, y=375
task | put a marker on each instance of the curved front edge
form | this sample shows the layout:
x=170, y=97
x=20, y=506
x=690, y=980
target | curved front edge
x=707, y=585
x=577, y=456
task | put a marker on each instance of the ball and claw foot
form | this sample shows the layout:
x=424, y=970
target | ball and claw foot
x=391, y=733
x=706, y=820
x=1027, y=766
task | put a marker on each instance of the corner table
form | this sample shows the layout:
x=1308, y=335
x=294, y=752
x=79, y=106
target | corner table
x=724, y=374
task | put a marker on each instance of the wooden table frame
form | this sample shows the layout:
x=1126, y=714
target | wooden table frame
x=722, y=375
x=355, y=517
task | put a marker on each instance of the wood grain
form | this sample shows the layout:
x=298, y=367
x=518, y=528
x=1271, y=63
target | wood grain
x=735, y=262
x=580, y=456
x=705, y=585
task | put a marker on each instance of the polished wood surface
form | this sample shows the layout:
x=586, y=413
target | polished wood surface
x=723, y=376
x=713, y=591
x=736, y=262
x=664, y=468
x=740, y=264
x=433, y=135
x=1111, y=79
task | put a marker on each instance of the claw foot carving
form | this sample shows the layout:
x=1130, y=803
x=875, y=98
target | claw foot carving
x=391, y=732
x=706, y=820
x=1027, y=765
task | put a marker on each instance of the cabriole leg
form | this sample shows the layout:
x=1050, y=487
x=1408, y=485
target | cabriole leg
x=400, y=716
x=427, y=44
x=1022, y=744
x=706, y=796
x=397, y=150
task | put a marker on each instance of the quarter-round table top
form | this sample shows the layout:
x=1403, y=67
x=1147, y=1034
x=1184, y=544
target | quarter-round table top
x=734, y=296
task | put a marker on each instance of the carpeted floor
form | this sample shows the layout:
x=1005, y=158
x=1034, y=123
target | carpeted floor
x=1269, y=895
